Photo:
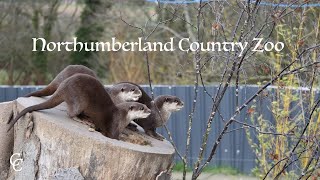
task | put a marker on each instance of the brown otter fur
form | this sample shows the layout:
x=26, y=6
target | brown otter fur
x=121, y=92
x=85, y=95
x=161, y=109
x=64, y=74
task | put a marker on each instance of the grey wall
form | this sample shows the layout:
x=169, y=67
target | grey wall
x=234, y=150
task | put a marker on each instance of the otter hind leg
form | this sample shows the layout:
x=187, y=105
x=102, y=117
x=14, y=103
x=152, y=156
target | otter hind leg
x=77, y=114
x=73, y=111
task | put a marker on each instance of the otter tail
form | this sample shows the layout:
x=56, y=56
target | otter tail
x=47, y=91
x=50, y=103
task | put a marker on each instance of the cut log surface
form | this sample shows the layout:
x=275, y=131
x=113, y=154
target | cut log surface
x=50, y=143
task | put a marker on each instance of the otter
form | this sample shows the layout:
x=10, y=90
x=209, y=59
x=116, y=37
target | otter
x=64, y=74
x=161, y=109
x=85, y=95
x=121, y=92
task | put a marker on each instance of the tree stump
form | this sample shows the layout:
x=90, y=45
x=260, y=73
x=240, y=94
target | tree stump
x=6, y=138
x=53, y=146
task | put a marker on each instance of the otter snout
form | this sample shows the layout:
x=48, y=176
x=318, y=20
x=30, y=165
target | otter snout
x=138, y=111
x=132, y=95
x=180, y=104
x=138, y=92
x=148, y=111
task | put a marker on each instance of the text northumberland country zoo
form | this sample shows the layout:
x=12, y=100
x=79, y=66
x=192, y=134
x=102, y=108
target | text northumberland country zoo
x=184, y=44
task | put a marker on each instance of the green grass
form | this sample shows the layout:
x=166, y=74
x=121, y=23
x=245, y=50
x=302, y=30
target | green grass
x=178, y=167
x=209, y=169
x=227, y=170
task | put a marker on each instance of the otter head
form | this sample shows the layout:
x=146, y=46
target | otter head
x=169, y=103
x=126, y=92
x=137, y=111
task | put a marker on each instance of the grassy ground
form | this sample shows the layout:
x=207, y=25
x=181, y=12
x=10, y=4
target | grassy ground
x=212, y=173
x=210, y=176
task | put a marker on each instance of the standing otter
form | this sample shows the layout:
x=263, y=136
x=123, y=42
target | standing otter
x=161, y=109
x=121, y=92
x=85, y=95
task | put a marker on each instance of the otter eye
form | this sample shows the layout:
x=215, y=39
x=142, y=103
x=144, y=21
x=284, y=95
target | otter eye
x=142, y=108
x=131, y=107
x=166, y=100
x=122, y=89
x=176, y=101
x=132, y=89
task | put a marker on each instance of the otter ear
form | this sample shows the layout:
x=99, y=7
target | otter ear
x=131, y=108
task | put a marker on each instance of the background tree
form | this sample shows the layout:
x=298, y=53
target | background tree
x=91, y=29
x=43, y=17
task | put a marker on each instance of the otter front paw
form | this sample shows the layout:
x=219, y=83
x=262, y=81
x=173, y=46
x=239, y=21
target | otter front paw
x=158, y=136
x=155, y=135
x=132, y=127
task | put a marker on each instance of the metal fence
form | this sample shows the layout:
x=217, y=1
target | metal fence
x=234, y=150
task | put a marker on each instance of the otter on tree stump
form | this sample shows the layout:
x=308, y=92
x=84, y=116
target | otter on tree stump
x=57, y=143
x=161, y=109
x=86, y=96
x=121, y=92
